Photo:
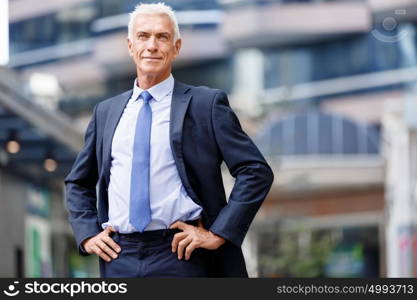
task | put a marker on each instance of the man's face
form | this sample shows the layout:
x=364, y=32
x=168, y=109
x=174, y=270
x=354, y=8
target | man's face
x=152, y=44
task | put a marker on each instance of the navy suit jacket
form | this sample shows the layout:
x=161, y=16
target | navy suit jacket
x=204, y=132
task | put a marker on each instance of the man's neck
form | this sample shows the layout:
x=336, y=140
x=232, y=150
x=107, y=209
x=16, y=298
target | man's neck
x=145, y=82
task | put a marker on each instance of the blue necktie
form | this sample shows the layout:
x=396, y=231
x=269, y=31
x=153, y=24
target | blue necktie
x=140, y=208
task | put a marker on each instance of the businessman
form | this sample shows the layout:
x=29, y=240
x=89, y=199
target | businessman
x=145, y=193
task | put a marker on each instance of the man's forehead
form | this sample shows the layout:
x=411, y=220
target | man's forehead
x=153, y=21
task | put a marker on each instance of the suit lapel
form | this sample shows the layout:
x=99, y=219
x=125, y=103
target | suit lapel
x=179, y=106
x=113, y=117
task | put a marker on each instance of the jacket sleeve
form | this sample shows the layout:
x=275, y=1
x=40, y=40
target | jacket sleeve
x=81, y=197
x=253, y=176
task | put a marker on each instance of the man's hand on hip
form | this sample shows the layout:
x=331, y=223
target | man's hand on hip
x=102, y=245
x=193, y=237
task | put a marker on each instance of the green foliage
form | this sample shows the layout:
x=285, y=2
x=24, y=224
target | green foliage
x=296, y=253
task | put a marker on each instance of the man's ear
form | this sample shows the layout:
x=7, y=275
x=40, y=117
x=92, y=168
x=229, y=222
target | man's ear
x=129, y=46
x=177, y=46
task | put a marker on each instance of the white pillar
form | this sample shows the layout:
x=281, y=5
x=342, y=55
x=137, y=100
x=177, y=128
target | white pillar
x=4, y=32
x=248, y=81
x=400, y=192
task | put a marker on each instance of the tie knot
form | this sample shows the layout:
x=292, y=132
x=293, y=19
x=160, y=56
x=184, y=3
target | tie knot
x=146, y=96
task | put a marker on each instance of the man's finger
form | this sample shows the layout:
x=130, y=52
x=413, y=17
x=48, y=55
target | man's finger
x=109, y=241
x=103, y=246
x=177, y=238
x=108, y=230
x=190, y=248
x=101, y=253
x=179, y=225
x=87, y=248
x=181, y=246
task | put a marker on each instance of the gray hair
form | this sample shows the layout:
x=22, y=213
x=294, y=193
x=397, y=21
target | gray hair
x=154, y=8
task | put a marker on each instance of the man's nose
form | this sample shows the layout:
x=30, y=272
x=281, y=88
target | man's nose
x=151, y=45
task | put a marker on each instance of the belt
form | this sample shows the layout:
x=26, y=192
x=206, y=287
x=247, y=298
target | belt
x=152, y=234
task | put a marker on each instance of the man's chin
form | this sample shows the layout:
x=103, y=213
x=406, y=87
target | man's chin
x=151, y=71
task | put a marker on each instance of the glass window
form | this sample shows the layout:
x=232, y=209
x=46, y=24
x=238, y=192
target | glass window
x=326, y=60
x=318, y=133
x=216, y=74
x=48, y=30
x=287, y=66
x=111, y=7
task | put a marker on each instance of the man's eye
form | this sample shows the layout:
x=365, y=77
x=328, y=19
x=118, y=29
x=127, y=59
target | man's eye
x=163, y=38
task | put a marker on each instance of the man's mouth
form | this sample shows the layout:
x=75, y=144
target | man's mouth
x=152, y=58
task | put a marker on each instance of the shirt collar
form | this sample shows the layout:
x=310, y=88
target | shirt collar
x=158, y=91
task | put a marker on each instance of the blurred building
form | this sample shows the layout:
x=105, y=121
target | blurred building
x=38, y=148
x=308, y=79
x=324, y=71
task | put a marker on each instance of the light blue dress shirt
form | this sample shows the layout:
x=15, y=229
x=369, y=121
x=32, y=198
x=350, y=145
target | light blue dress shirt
x=168, y=198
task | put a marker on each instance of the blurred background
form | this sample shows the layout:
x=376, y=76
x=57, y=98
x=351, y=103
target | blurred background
x=326, y=88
